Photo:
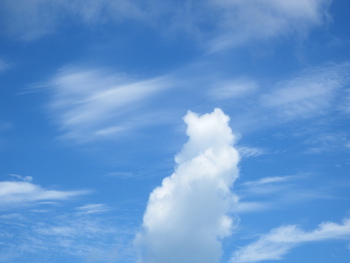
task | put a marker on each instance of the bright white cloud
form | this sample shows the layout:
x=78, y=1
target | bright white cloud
x=280, y=241
x=92, y=104
x=187, y=216
x=19, y=193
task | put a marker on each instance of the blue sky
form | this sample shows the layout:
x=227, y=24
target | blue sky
x=211, y=131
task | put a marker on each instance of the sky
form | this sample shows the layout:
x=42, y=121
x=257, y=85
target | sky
x=207, y=131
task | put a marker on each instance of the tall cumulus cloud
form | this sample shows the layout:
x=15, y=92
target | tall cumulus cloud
x=188, y=215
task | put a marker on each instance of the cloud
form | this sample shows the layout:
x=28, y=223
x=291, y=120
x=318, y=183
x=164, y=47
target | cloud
x=345, y=105
x=260, y=19
x=251, y=151
x=233, y=89
x=281, y=192
x=309, y=94
x=280, y=241
x=270, y=192
x=224, y=23
x=3, y=65
x=92, y=209
x=93, y=104
x=327, y=142
x=187, y=216
x=64, y=235
x=25, y=178
x=33, y=19
x=20, y=193
x=269, y=180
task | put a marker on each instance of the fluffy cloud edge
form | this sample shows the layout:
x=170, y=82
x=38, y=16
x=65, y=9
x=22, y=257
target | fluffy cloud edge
x=188, y=215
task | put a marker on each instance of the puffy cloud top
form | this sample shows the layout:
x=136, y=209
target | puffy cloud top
x=188, y=214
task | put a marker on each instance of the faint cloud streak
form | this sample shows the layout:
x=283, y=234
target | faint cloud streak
x=277, y=243
x=93, y=104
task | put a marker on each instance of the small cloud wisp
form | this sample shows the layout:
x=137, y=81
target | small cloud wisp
x=280, y=241
x=13, y=194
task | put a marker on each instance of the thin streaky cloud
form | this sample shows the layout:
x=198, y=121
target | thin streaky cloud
x=269, y=180
x=230, y=21
x=23, y=178
x=13, y=194
x=93, y=104
x=271, y=19
x=246, y=151
x=280, y=241
x=92, y=209
x=34, y=19
x=91, y=237
x=233, y=89
x=308, y=95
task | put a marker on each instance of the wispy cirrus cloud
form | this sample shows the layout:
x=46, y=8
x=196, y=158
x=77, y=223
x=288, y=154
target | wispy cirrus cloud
x=92, y=209
x=88, y=237
x=219, y=23
x=243, y=21
x=87, y=232
x=280, y=241
x=247, y=151
x=22, y=178
x=93, y=104
x=233, y=89
x=309, y=94
x=13, y=194
x=33, y=19
x=280, y=192
x=266, y=189
x=274, y=179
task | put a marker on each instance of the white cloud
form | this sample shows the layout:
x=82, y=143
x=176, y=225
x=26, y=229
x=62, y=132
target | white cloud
x=19, y=193
x=187, y=216
x=25, y=178
x=93, y=104
x=280, y=192
x=226, y=23
x=326, y=142
x=269, y=180
x=280, y=241
x=81, y=237
x=32, y=19
x=244, y=21
x=250, y=151
x=307, y=95
x=92, y=209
